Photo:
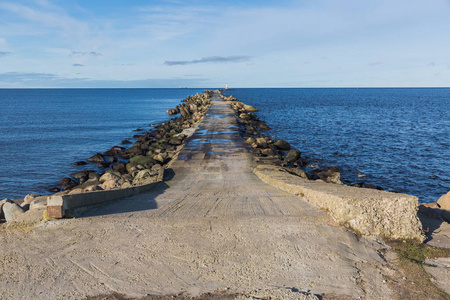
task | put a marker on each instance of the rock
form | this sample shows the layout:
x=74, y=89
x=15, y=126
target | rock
x=93, y=188
x=76, y=191
x=39, y=202
x=297, y=171
x=269, y=151
x=109, y=176
x=430, y=205
x=144, y=177
x=262, y=143
x=103, y=165
x=29, y=198
x=120, y=167
x=54, y=190
x=142, y=160
x=114, y=151
x=81, y=176
x=333, y=169
x=67, y=183
x=112, y=184
x=11, y=210
x=176, y=141
x=292, y=156
x=80, y=163
x=330, y=177
x=125, y=142
x=250, y=108
x=250, y=141
x=112, y=159
x=96, y=158
x=262, y=126
x=161, y=158
x=282, y=145
x=444, y=201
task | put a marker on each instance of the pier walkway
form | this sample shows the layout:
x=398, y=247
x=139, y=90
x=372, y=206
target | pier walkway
x=212, y=225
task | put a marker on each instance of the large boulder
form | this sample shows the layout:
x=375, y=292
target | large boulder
x=142, y=160
x=250, y=108
x=110, y=176
x=282, y=145
x=145, y=177
x=39, y=203
x=83, y=176
x=29, y=198
x=11, y=210
x=96, y=158
x=444, y=201
x=113, y=151
x=292, y=156
x=262, y=142
x=330, y=176
x=67, y=183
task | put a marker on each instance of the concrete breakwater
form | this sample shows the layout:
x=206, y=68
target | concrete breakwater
x=368, y=211
x=136, y=169
x=129, y=170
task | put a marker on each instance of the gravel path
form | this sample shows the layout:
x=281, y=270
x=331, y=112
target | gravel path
x=213, y=225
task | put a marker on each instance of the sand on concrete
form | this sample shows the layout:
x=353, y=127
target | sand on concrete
x=213, y=225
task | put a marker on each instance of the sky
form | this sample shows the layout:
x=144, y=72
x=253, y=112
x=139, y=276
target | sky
x=207, y=44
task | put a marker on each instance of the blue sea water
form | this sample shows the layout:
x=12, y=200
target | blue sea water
x=43, y=131
x=396, y=138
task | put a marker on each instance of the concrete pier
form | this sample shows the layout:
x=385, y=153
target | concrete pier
x=212, y=225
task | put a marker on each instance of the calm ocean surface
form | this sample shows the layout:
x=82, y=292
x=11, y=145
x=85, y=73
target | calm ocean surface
x=43, y=131
x=395, y=138
x=398, y=139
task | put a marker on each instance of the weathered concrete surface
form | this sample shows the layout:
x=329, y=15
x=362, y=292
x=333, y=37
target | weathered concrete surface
x=213, y=225
x=439, y=269
x=371, y=212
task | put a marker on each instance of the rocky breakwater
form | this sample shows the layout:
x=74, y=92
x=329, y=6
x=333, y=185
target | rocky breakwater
x=364, y=210
x=119, y=168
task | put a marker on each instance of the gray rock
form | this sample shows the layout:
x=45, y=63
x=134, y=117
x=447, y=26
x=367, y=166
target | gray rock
x=110, y=176
x=144, y=177
x=39, y=203
x=96, y=158
x=29, y=198
x=282, y=145
x=262, y=143
x=11, y=210
x=297, y=171
x=444, y=201
x=292, y=156
x=330, y=176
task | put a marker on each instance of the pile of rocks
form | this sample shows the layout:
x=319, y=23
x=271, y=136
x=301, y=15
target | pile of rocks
x=278, y=152
x=142, y=163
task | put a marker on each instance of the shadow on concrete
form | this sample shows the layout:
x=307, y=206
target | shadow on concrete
x=140, y=202
x=430, y=223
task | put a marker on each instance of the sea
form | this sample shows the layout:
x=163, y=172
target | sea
x=395, y=138
x=44, y=131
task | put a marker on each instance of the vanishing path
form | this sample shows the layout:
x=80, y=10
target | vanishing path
x=214, y=225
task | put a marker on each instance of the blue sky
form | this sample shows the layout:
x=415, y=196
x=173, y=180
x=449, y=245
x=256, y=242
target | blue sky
x=320, y=43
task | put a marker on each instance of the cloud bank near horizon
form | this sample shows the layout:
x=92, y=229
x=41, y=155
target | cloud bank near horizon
x=211, y=59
